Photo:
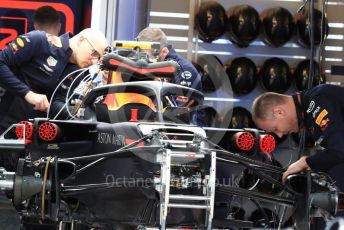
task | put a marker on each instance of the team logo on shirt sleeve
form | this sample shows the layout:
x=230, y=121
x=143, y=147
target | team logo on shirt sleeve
x=54, y=40
x=20, y=42
x=310, y=106
x=186, y=75
x=27, y=38
x=324, y=123
x=321, y=117
x=17, y=44
x=316, y=111
x=51, y=61
x=14, y=47
x=47, y=68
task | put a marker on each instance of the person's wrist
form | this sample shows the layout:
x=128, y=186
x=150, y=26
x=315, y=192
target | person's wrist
x=27, y=94
x=304, y=163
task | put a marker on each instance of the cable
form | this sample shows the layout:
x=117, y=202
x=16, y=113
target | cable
x=88, y=80
x=111, y=153
x=76, y=189
x=85, y=81
x=107, y=154
x=52, y=96
x=255, y=185
x=215, y=145
x=84, y=70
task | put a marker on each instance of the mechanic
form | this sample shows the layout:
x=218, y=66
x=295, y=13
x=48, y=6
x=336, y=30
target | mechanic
x=188, y=75
x=47, y=19
x=320, y=109
x=32, y=65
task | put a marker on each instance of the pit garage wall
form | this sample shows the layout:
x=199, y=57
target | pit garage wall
x=119, y=19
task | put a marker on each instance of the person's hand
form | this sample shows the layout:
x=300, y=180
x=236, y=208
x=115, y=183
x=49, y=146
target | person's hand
x=39, y=101
x=295, y=167
x=105, y=77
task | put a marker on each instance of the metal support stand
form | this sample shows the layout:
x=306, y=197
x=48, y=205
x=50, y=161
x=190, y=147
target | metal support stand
x=168, y=200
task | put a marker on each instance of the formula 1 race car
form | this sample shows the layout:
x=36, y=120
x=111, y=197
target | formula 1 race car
x=141, y=164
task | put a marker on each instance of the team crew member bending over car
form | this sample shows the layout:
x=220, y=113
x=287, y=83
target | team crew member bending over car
x=32, y=65
x=320, y=109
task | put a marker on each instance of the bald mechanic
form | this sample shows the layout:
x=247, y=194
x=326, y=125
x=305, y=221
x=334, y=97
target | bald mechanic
x=32, y=65
x=320, y=109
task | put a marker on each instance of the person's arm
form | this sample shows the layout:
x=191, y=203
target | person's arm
x=188, y=76
x=322, y=160
x=39, y=101
x=325, y=160
x=298, y=166
x=329, y=120
x=17, y=53
x=333, y=152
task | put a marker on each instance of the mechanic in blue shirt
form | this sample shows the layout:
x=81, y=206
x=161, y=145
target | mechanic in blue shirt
x=187, y=76
x=320, y=109
x=32, y=65
x=47, y=19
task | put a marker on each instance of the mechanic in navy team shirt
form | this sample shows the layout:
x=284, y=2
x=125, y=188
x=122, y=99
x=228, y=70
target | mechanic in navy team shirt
x=32, y=65
x=187, y=76
x=47, y=19
x=320, y=109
